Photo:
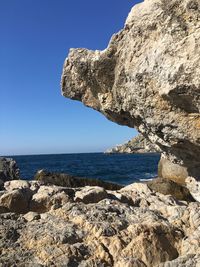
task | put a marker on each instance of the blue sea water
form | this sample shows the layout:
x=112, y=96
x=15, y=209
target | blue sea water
x=119, y=168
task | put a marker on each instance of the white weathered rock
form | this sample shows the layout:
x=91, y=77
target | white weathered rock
x=16, y=184
x=148, y=77
x=139, y=187
x=191, y=244
x=194, y=216
x=194, y=187
x=190, y=260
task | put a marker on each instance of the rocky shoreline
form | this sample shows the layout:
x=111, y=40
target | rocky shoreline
x=138, y=144
x=140, y=225
x=147, y=78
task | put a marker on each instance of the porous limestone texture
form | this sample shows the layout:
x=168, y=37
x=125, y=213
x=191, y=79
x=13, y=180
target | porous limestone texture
x=138, y=144
x=93, y=227
x=148, y=77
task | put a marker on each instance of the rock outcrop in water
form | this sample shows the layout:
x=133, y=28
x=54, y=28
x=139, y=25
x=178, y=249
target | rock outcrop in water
x=148, y=77
x=48, y=225
x=63, y=179
x=138, y=144
x=8, y=170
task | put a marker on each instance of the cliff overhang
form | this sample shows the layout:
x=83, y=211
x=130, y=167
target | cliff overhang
x=148, y=78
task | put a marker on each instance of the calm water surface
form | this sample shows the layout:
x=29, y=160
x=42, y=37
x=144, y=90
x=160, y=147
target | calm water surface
x=118, y=168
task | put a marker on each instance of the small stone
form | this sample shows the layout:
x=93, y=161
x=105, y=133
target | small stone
x=31, y=216
x=90, y=194
x=139, y=187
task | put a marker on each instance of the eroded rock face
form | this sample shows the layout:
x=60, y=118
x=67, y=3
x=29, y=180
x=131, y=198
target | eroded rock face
x=148, y=77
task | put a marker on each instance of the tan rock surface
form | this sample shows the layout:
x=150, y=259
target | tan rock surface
x=172, y=171
x=48, y=196
x=148, y=230
x=90, y=194
x=16, y=200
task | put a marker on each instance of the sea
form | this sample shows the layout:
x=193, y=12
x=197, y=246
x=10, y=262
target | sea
x=117, y=168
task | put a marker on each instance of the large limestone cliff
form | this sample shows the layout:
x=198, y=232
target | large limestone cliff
x=148, y=77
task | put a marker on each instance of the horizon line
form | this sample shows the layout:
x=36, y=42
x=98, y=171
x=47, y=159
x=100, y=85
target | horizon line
x=48, y=154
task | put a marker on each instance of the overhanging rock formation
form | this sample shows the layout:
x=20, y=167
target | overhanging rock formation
x=148, y=77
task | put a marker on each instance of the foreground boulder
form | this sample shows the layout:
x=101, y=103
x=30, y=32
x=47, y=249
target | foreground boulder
x=91, y=227
x=168, y=187
x=50, y=196
x=148, y=78
x=8, y=169
x=16, y=200
x=172, y=171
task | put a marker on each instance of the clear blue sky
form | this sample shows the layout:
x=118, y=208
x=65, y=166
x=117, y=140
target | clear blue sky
x=35, y=36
